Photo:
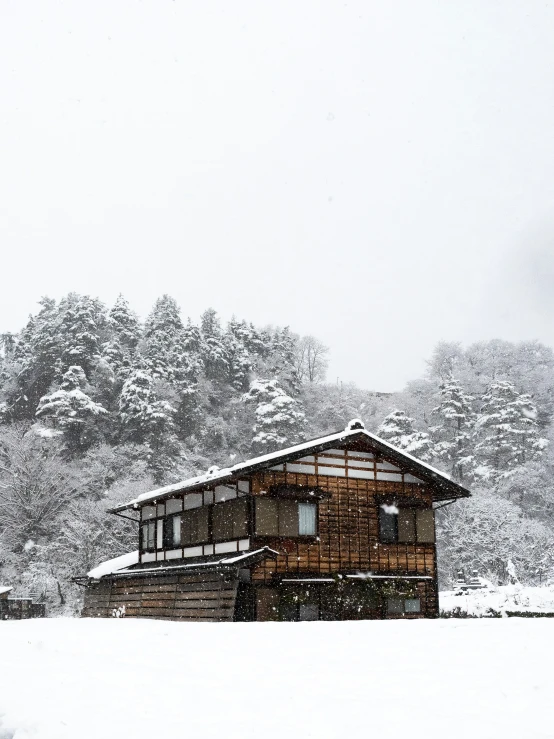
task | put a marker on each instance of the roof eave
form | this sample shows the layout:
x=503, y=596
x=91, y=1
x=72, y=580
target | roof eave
x=439, y=481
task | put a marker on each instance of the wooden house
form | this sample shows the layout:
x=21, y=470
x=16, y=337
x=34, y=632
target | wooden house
x=341, y=527
x=18, y=608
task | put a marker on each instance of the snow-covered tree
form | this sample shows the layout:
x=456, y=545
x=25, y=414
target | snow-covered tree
x=35, y=362
x=398, y=429
x=214, y=351
x=82, y=321
x=70, y=410
x=280, y=420
x=507, y=434
x=486, y=532
x=452, y=434
x=35, y=486
x=164, y=348
x=238, y=361
x=148, y=419
x=125, y=323
x=120, y=350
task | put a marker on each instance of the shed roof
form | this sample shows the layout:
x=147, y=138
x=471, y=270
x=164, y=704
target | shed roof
x=123, y=566
x=446, y=488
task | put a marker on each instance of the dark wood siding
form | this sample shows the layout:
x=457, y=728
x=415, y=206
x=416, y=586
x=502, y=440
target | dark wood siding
x=348, y=533
x=208, y=596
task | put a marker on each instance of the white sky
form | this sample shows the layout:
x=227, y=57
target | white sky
x=379, y=174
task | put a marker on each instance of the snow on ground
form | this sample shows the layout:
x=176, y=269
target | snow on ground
x=521, y=598
x=114, y=678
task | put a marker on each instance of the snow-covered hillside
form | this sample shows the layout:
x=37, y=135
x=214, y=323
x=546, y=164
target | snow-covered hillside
x=499, y=599
x=108, y=679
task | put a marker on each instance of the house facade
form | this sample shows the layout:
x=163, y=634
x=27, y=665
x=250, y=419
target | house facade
x=338, y=528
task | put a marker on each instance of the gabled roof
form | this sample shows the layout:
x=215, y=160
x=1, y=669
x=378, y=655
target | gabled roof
x=5, y=589
x=445, y=488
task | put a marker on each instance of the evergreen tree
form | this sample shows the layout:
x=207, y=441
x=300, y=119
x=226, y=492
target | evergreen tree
x=506, y=431
x=72, y=411
x=214, y=351
x=281, y=360
x=453, y=433
x=125, y=323
x=165, y=343
x=81, y=327
x=146, y=419
x=280, y=420
x=36, y=361
x=125, y=333
x=398, y=429
x=239, y=363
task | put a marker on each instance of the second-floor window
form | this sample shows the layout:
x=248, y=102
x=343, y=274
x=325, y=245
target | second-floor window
x=403, y=525
x=285, y=518
x=149, y=535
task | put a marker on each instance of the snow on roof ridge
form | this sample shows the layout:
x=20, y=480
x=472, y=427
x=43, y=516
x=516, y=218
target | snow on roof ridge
x=351, y=429
x=5, y=589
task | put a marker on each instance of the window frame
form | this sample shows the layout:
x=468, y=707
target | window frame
x=280, y=502
x=413, y=511
x=313, y=506
x=150, y=524
x=402, y=600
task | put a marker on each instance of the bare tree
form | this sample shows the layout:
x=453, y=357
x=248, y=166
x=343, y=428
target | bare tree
x=35, y=486
x=311, y=359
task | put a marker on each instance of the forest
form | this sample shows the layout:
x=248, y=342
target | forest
x=97, y=406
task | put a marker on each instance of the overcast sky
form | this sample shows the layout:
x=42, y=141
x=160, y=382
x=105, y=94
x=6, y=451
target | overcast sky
x=379, y=174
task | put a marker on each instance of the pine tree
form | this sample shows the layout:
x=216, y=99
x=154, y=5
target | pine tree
x=149, y=420
x=398, y=429
x=36, y=360
x=280, y=420
x=281, y=359
x=453, y=433
x=165, y=343
x=70, y=410
x=83, y=319
x=236, y=341
x=120, y=350
x=506, y=431
x=214, y=354
x=125, y=323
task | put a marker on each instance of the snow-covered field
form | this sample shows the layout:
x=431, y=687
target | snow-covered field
x=501, y=598
x=98, y=679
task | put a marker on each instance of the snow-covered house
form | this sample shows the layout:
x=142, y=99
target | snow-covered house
x=341, y=527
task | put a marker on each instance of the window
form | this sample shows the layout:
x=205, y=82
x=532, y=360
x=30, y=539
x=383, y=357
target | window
x=149, y=535
x=148, y=511
x=308, y=612
x=307, y=519
x=195, y=526
x=230, y=520
x=173, y=505
x=399, y=606
x=286, y=518
x=406, y=525
x=172, y=532
x=412, y=605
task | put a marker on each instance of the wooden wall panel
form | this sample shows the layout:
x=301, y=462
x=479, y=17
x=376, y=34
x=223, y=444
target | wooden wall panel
x=348, y=530
x=187, y=597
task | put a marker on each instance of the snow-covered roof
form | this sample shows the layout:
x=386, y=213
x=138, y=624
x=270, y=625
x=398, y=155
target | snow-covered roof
x=124, y=565
x=355, y=429
x=114, y=565
x=5, y=589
